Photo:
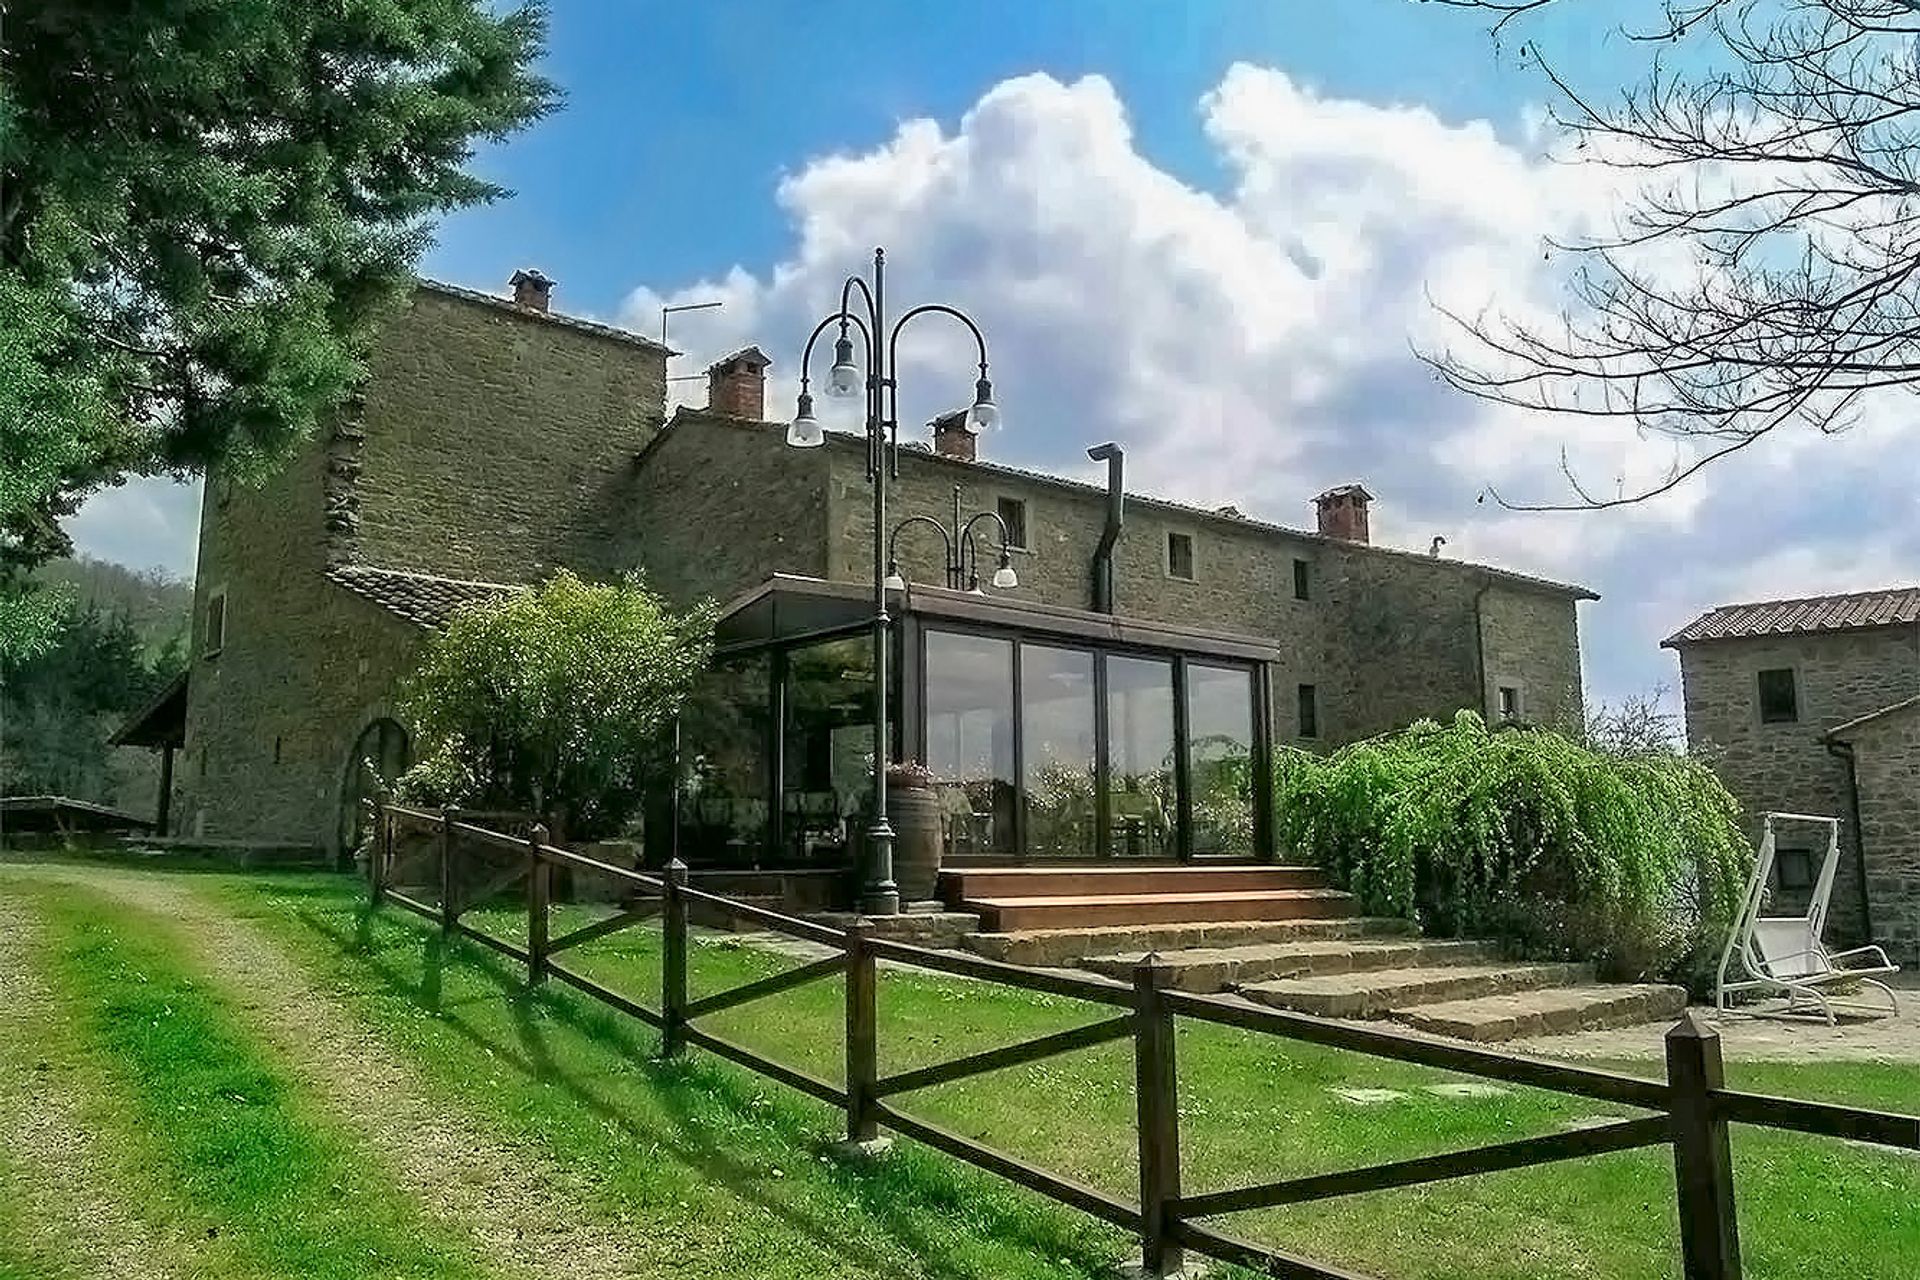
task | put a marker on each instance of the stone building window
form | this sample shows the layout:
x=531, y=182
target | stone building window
x=1303, y=579
x=1013, y=514
x=1511, y=705
x=1793, y=868
x=1779, y=698
x=1180, y=556
x=216, y=636
x=1309, y=711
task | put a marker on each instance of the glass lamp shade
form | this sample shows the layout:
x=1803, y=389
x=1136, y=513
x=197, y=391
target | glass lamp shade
x=1004, y=578
x=804, y=431
x=844, y=378
x=984, y=415
x=895, y=580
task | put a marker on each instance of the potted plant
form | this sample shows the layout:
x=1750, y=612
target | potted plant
x=913, y=808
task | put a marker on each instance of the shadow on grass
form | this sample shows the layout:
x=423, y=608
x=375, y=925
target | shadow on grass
x=904, y=1194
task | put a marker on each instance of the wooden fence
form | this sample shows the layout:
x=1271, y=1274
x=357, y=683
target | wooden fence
x=1689, y=1112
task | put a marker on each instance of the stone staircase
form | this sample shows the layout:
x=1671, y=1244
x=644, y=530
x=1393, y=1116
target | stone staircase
x=1279, y=936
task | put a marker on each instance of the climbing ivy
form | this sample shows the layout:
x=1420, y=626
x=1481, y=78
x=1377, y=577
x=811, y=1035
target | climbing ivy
x=1630, y=859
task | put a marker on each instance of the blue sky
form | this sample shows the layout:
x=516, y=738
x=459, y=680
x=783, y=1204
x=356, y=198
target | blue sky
x=1211, y=229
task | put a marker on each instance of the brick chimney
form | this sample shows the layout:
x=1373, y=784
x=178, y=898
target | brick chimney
x=1343, y=513
x=951, y=439
x=737, y=384
x=531, y=289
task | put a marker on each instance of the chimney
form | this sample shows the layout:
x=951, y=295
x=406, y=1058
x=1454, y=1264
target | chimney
x=1343, y=513
x=951, y=439
x=531, y=289
x=737, y=384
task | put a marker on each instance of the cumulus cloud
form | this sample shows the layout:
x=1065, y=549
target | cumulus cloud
x=1255, y=344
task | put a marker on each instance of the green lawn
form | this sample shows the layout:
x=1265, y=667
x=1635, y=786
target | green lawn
x=1254, y=1108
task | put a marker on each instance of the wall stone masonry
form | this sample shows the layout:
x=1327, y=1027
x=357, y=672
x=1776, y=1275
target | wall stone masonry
x=1887, y=751
x=1839, y=676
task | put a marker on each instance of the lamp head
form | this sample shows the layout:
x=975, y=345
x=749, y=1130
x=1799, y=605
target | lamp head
x=895, y=580
x=1004, y=578
x=984, y=415
x=844, y=378
x=804, y=431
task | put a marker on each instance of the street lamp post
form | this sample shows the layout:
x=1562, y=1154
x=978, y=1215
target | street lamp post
x=880, y=896
x=962, y=573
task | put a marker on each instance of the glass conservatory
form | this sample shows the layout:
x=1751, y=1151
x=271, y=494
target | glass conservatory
x=1052, y=734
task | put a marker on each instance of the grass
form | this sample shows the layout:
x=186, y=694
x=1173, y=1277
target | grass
x=1253, y=1108
x=212, y=1136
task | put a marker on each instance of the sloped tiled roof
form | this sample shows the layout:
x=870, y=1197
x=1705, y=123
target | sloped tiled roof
x=421, y=598
x=544, y=317
x=1896, y=606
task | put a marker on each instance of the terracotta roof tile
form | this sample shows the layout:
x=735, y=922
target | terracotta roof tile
x=420, y=598
x=1896, y=606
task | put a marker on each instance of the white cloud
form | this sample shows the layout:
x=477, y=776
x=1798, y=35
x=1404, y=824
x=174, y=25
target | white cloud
x=149, y=522
x=1254, y=346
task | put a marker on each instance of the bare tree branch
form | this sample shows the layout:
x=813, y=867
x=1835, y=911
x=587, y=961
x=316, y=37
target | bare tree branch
x=1781, y=167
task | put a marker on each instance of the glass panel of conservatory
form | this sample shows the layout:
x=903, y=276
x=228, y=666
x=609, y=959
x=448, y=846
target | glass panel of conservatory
x=1141, y=805
x=1057, y=742
x=1220, y=758
x=828, y=746
x=969, y=706
x=723, y=749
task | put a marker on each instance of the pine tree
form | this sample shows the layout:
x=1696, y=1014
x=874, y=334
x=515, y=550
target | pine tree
x=206, y=206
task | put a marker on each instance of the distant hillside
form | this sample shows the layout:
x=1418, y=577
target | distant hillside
x=159, y=607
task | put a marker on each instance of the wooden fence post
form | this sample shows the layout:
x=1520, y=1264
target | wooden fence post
x=673, y=965
x=377, y=849
x=1157, y=1105
x=539, y=900
x=1702, y=1160
x=449, y=814
x=863, y=1038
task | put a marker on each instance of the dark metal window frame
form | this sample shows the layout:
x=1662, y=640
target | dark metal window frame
x=1307, y=708
x=1019, y=536
x=915, y=673
x=1181, y=537
x=1302, y=578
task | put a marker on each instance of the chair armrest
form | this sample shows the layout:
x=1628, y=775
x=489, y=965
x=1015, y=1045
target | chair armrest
x=1884, y=963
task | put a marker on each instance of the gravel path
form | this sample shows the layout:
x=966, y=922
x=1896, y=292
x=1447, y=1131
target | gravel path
x=523, y=1211
x=55, y=1164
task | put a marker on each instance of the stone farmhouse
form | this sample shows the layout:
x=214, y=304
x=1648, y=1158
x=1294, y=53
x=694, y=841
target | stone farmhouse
x=1147, y=648
x=1813, y=706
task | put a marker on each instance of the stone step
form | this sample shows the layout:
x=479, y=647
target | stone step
x=1208, y=969
x=1551, y=1012
x=1384, y=991
x=967, y=884
x=1067, y=947
x=1005, y=915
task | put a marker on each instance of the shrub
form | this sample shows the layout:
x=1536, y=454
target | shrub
x=1632, y=860
x=554, y=701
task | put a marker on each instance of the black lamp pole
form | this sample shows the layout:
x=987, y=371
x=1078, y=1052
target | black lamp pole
x=880, y=896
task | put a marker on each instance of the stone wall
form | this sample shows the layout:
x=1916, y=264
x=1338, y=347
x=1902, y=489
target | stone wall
x=1787, y=767
x=1888, y=753
x=1384, y=637
x=500, y=445
x=273, y=716
x=720, y=505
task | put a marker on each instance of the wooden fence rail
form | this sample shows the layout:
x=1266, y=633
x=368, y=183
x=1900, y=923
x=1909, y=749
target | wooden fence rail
x=1690, y=1111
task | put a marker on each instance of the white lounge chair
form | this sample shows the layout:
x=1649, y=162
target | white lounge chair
x=1784, y=955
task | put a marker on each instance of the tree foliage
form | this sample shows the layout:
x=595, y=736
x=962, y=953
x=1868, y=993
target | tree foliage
x=553, y=701
x=1763, y=275
x=205, y=208
x=1524, y=835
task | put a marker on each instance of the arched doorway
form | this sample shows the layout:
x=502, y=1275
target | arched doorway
x=380, y=754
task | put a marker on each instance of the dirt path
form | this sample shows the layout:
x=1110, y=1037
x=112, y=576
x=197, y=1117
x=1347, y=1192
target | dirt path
x=524, y=1212
x=58, y=1173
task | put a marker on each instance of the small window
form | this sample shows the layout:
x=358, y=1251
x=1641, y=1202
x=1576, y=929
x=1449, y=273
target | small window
x=1779, y=699
x=1013, y=514
x=216, y=637
x=1303, y=580
x=1510, y=707
x=1180, y=555
x=1309, y=711
x=1793, y=868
